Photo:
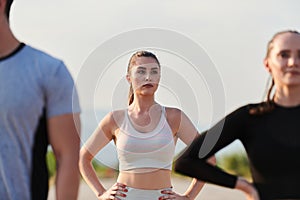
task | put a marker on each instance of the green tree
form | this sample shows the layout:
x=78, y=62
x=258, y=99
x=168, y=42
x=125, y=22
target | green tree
x=235, y=163
x=51, y=163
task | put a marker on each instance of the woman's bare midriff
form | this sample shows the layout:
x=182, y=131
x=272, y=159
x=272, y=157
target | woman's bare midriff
x=146, y=178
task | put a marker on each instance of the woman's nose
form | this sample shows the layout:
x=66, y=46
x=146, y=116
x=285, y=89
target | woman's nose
x=294, y=61
x=148, y=77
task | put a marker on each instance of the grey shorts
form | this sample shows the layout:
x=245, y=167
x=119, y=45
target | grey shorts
x=138, y=194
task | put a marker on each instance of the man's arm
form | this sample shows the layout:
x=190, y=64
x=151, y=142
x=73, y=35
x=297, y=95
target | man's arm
x=64, y=137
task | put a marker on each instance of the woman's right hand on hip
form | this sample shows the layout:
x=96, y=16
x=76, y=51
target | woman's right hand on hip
x=248, y=188
x=115, y=191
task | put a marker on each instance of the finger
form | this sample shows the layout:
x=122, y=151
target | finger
x=113, y=197
x=169, y=196
x=163, y=197
x=167, y=192
x=121, y=184
x=113, y=192
x=164, y=192
x=119, y=187
x=116, y=188
x=118, y=193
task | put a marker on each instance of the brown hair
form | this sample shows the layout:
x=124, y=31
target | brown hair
x=132, y=62
x=268, y=104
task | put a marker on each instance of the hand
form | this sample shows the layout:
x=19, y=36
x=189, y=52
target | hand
x=247, y=188
x=112, y=193
x=169, y=194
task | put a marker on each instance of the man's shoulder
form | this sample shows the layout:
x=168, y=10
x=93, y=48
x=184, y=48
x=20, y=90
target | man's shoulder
x=41, y=55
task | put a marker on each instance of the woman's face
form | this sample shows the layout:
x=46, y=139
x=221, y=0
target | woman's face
x=144, y=76
x=283, y=61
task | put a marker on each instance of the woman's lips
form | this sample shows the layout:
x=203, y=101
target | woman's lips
x=147, y=85
x=293, y=72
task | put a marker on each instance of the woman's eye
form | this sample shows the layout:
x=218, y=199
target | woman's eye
x=154, y=72
x=284, y=54
x=141, y=72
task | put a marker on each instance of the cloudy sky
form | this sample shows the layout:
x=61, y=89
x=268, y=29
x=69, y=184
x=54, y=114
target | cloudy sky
x=231, y=33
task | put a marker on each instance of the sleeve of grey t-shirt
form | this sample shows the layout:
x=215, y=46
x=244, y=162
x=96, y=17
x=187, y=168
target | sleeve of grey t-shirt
x=61, y=93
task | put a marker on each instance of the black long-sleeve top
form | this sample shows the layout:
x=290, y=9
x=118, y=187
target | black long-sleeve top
x=272, y=143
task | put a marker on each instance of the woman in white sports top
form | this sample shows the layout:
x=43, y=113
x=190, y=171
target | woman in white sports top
x=145, y=135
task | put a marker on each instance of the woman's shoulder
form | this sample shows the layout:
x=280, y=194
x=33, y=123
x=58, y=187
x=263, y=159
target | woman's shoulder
x=115, y=117
x=118, y=113
x=174, y=115
x=248, y=107
x=244, y=110
x=173, y=112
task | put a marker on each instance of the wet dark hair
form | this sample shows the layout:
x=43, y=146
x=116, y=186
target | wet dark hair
x=132, y=62
x=7, y=7
x=268, y=105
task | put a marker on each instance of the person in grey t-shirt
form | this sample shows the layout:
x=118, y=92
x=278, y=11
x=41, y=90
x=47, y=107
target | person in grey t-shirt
x=38, y=106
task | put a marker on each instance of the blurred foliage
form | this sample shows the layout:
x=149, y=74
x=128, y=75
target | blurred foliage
x=103, y=171
x=51, y=163
x=235, y=163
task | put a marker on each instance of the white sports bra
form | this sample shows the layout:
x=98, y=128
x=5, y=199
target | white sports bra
x=138, y=150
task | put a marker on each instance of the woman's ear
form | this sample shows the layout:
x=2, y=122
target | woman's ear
x=128, y=78
x=267, y=65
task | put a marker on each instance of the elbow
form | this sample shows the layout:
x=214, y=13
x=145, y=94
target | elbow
x=212, y=160
x=85, y=159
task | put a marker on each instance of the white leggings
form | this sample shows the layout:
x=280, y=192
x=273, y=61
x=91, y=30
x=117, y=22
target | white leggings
x=138, y=194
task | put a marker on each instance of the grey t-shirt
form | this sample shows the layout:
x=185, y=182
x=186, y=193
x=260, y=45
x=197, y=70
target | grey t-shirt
x=33, y=87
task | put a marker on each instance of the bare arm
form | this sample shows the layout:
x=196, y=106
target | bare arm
x=186, y=131
x=192, y=164
x=101, y=137
x=65, y=141
x=249, y=190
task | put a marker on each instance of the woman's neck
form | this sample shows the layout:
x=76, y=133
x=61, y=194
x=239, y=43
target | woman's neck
x=142, y=104
x=144, y=114
x=288, y=96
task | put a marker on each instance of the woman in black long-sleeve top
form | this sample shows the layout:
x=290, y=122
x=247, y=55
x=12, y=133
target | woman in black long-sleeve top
x=269, y=131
